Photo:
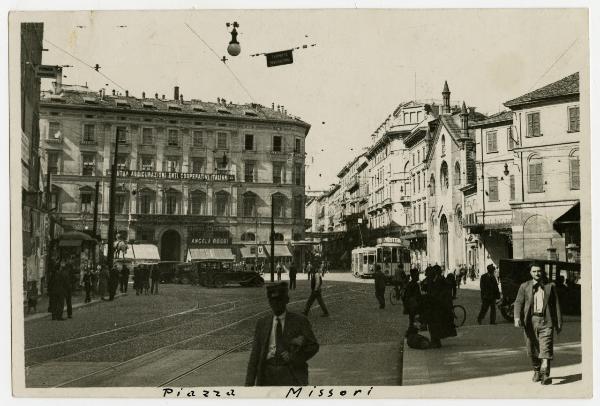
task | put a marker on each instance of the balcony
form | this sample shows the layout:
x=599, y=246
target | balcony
x=57, y=140
x=87, y=142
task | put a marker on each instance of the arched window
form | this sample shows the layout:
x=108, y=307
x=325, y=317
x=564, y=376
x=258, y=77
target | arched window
x=249, y=203
x=171, y=201
x=536, y=174
x=444, y=183
x=431, y=185
x=197, y=203
x=221, y=203
x=146, y=198
x=457, y=174
x=279, y=205
x=574, y=169
x=443, y=145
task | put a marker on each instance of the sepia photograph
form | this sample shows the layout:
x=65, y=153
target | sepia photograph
x=300, y=203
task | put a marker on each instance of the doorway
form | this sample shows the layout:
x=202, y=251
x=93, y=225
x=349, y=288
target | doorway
x=170, y=246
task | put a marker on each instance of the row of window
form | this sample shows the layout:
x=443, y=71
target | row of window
x=147, y=162
x=174, y=138
x=197, y=204
x=534, y=125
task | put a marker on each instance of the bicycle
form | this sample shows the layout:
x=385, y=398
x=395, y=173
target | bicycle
x=396, y=295
x=460, y=315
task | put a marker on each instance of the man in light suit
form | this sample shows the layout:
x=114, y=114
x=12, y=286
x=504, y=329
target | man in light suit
x=283, y=342
x=537, y=309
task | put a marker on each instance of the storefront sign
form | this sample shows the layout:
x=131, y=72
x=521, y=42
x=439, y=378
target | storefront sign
x=218, y=177
x=209, y=241
x=387, y=240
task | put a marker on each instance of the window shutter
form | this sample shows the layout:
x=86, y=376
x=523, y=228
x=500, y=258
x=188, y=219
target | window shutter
x=574, y=171
x=535, y=177
x=493, y=189
x=536, y=124
x=512, y=187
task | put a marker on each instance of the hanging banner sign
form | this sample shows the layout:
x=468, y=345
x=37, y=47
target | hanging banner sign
x=48, y=71
x=280, y=58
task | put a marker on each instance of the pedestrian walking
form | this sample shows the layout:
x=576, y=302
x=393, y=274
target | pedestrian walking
x=278, y=269
x=68, y=286
x=113, y=281
x=59, y=289
x=86, y=282
x=537, y=310
x=283, y=343
x=437, y=307
x=124, y=278
x=316, y=284
x=379, y=286
x=146, y=279
x=451, y=280
x=137, y=279
x=412, y=297
x=309, y=270
x=292, y=274
x=490, y=293
x=95, y=277
x=155, y=275
x=103, y=282
x=53, y=271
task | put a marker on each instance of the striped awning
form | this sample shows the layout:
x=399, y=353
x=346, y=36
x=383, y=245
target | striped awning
x=145, y=252
x=208, y=254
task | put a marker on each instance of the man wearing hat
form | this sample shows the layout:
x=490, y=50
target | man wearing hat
x=283, y=342
x=488, y=284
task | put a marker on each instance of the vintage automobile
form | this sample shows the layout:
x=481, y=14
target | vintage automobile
x=216, y=274
x=513, y=272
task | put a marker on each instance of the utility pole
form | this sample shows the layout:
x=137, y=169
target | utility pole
x=272, y=258
x=95, y=224
x=111, y=206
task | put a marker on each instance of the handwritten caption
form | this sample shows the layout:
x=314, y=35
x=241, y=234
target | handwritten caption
x=290, y=392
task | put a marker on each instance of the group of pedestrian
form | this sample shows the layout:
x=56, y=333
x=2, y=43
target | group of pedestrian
x=60, y=288
x=142, y=275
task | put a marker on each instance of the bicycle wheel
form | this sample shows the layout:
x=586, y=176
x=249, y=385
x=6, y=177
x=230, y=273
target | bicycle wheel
x=394, y=297
x=460, y=315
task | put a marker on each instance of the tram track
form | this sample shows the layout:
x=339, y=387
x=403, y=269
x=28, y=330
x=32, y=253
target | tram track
x=153, y=354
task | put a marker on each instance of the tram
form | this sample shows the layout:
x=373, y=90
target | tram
x=389, y=253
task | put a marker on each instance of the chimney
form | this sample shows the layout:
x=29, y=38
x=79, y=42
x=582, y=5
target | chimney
x=223, y=101
x=163, y=96
x=156, y=95
x=273, y=106
x=181, y=98
x=126, y=93
x=446, y=97
x=218, y=100
x=143, y=95
x=58, y=84
x=464, y=121
x=471, y=111
x=113, y=92
x=176, y=93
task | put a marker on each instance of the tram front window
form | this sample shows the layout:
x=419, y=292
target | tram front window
x=387, y=255
x=371, y=259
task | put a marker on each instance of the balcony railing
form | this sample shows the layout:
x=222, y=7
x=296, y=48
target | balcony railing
x=87, y=142
x=57, y=140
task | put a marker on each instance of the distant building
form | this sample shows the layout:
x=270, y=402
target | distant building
x=193, y=176
x=548, y=133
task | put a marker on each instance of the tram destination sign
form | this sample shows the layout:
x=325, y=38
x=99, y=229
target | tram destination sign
x=388, y=240
x=218, y=177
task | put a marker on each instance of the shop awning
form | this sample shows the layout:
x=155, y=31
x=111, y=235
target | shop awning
x=247, y=252
x=69, y=243
x=280, y=250
x=208, y=254
x=145, y=252
x=571, y=218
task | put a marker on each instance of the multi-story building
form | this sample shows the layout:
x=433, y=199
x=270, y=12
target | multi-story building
x=548, y=133
x=191, y=174
x=487, y=213
x=353, y=196
x=34, y=213
x=450, y=164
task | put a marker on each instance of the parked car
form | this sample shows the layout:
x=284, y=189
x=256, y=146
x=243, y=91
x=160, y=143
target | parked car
x=513, y=272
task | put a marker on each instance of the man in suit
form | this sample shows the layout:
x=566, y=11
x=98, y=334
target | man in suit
x=488, y=285
x=316, y=283
x=283, y=342
x=379, y=286
x=292, y=273
x=537, y=310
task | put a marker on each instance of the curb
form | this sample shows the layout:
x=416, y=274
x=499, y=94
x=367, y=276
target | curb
x=41, y=315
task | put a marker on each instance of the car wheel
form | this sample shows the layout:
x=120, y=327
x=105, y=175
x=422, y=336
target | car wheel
x=219, y=283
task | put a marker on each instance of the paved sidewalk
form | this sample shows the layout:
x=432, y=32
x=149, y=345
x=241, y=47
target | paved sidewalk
x=77, y=301
x=494, y=355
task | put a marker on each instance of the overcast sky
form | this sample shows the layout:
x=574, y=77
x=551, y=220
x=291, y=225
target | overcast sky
x=363, y=66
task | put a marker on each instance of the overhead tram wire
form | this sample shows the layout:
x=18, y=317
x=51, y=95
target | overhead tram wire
x=554, y=63
x=85, y=63
x=219, y=58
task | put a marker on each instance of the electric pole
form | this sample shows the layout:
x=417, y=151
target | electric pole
x=95, y=224
x=111, y=206
x=272, y=241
